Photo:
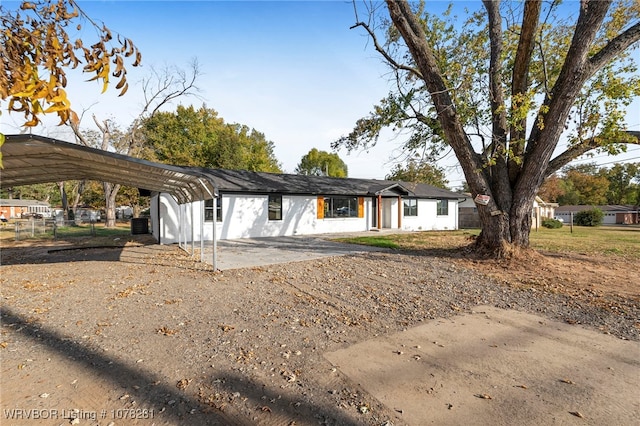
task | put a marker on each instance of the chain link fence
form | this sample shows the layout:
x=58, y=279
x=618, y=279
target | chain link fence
x=43, y=228
x=48, y=228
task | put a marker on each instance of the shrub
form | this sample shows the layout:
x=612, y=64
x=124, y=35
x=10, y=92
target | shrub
x=551, y=223
x=591, y=217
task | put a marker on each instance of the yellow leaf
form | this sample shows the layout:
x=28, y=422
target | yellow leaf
x=36, y=107
x=138, y=59
x=1, y=166
x=52, y=82
x=124, y=90
x=55, y=108
x=61, y=96
x=43, y=92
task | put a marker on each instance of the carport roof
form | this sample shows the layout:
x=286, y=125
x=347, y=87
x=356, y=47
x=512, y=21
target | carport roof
x=30, y=159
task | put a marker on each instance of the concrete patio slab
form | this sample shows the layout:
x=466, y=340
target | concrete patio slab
x=499, y=367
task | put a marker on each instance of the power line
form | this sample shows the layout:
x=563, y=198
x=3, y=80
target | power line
x=619, y=161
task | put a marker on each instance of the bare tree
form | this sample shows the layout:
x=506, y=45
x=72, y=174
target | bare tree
x=160, y=89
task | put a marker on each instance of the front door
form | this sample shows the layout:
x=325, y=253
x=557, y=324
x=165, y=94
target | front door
x=386, y=216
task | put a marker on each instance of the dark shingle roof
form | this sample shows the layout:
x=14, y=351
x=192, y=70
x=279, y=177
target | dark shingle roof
x=242, y=181
x=22, y=203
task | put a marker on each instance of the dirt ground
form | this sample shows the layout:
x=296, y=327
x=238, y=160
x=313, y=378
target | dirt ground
x=142, y=334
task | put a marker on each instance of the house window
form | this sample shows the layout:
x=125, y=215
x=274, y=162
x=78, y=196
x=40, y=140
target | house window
x=208, y=210
x=275, y=207
x=340, y=207
x=443, y=207
x=410, y=207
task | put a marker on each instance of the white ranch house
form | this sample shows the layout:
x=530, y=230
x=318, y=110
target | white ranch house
x=254, y=204
x=198, y=204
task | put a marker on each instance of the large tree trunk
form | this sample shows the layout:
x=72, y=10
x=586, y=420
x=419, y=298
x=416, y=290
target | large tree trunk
x=65, y=203
x=505, y=232
x=76, y=197
x=110, y=193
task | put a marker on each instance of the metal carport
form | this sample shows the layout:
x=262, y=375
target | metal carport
x=30, y=159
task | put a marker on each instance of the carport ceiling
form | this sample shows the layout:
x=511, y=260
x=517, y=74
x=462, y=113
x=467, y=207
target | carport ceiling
x=31, y=159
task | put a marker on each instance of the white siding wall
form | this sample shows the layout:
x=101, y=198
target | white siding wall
x=246, y=216
x=428, y=219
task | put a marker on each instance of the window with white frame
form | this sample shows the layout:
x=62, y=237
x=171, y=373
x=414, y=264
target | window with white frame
x=410, y=207
x=275, y=207
x=443, y=208
x=208, y=210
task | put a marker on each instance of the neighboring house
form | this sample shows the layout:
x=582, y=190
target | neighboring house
x=542, y=210
x=613, y=215
x=256, y=204
x=469, y=212
x=17, y=209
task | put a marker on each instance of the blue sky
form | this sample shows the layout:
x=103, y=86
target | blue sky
x=292, y=70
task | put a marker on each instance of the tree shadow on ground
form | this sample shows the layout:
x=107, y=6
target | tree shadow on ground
x=271, y=407
x=170, y=405
x=141, y=385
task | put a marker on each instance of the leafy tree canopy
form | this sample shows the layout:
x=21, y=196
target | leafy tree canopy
x=588, y=184
x=37, y=47
x=624, y=183
x=198, y=137
x=322, y=163
x=422, y=172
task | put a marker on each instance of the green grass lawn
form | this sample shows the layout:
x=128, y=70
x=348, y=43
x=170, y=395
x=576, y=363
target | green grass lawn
x=78, y=233
x=603, y=240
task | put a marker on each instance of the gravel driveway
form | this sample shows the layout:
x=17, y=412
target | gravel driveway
x=147, y=333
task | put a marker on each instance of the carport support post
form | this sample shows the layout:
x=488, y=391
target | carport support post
x=179, y=218
x=215, y=223
x=193, y=248
x=201, y=230
x=183, y=228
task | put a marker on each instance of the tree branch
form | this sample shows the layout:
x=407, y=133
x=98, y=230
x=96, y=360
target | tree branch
x=498, y=112
x=416, y=40
x=384, y=53
x=499, y=118
x=614, y=47
x=519, y=81
x=577, y=150
x=544, y=139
